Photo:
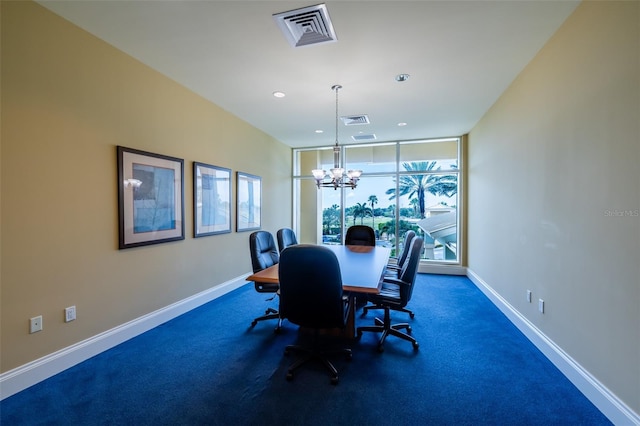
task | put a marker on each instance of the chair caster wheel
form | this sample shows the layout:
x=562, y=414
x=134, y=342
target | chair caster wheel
x=409, y=330
x=289, y=377
x=415, y=345
x=359, y=335
x=349, y=356
x=253, y=323
x=276, y=330
x=412, y=315
x=334, y=380
x=380, y=348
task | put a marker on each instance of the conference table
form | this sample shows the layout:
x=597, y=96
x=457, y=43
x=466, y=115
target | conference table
x=362, y=269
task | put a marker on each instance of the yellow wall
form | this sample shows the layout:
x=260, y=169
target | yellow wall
x=67, y=100
x=554, y=193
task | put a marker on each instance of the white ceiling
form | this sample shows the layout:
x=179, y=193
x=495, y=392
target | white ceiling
x=461, y=56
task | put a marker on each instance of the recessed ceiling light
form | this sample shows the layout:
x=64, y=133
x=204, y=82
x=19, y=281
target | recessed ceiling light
x=402, y=124
x=402, y=77
x=319, y=131
x=279, y=94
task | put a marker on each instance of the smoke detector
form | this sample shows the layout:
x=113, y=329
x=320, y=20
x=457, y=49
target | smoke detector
x=306, y=26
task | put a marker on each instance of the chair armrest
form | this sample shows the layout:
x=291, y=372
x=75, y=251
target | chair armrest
x=347, y=307
x=396, y=281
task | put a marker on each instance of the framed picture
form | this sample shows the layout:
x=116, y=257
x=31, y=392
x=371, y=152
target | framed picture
x=150, y=198
x=249, y=199
x=211, y=200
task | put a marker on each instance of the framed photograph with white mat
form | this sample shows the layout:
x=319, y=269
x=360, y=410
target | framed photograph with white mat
x=211, y=200
x=150, y=198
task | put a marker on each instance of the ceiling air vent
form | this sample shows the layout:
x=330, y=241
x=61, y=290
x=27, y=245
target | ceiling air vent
x=364, y=138
x=355, y=120
x=309, y=25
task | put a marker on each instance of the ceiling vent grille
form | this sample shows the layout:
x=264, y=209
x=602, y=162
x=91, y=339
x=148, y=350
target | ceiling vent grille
x=306, y=26
x=355, y=120
x=364, y=138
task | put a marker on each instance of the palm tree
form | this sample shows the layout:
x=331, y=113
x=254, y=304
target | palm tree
x=360, y=210
x=414, y=204
x=417, y=184
x=446, y=185
x=331, y=218
x=373, y=200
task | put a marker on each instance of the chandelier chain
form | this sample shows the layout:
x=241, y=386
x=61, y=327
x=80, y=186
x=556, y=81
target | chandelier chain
x=337, y=87
x=337, y=177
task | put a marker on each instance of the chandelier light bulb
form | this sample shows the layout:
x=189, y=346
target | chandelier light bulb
x=318, y=174
x=354, y=174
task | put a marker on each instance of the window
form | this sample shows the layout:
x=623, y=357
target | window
x=404, y=185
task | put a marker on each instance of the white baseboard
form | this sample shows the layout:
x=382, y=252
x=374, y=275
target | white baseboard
x=606, y=401
x=20, y=378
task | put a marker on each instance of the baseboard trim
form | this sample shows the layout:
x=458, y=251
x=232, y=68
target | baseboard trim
x=20, y=378
x=607, y=402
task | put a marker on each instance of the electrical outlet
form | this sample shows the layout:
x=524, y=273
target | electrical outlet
x=529, y=296
x=541, y=306
x=70, y=314
x=35, y=324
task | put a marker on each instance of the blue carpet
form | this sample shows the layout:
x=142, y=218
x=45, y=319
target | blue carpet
x=208, y=367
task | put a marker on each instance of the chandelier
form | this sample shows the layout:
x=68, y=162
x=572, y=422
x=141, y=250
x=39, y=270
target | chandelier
x=336, y=178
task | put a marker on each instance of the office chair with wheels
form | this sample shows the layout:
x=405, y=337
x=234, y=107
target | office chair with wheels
x=396, y=293
x=396, y=267
x=286, y=237
x=393, y=270
x=263, y=255
x=311, y=297
x=360, y=235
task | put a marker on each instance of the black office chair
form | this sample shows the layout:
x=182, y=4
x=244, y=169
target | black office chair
x=396, y=293
x=286, y=237
x=263, y=255
x=360, y=235
x=393, y=270
x=311, y=297
x=396, y=266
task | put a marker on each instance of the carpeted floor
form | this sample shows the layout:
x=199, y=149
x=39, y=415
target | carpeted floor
x=208, y=367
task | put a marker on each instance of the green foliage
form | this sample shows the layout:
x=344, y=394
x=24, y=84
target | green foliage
x=404, y=226
x=331, y=220
x=361, y=210
x=416, y=185
x=373, y=200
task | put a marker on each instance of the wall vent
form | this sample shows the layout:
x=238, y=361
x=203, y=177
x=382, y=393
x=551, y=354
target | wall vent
x=364, y=138
x=355, y=120
x=306, y=26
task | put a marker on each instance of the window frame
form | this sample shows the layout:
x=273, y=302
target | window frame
x=399, y=171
